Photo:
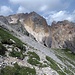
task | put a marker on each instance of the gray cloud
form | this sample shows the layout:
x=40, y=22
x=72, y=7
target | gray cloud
x=38, y=6
x=60, y=15
x=5, y=10
x=21, y=9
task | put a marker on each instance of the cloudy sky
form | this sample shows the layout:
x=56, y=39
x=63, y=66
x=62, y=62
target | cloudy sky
x=52, y=10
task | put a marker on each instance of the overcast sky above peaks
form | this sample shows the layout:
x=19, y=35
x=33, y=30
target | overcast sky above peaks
x=50, y=9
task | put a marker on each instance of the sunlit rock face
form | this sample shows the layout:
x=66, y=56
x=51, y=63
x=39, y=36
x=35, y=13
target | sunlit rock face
x=12, y=19
x=37, y=26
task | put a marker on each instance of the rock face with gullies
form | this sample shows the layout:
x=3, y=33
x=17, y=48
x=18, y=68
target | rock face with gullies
x=37, y=26
x=63, y=35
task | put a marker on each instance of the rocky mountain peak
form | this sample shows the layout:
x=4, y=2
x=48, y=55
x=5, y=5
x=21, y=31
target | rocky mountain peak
x=37, y=26
x=37, y=19
x=33, y=13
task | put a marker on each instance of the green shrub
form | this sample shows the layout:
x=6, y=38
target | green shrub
x=7, y=41
x=17, y=54
x=33, y=55
x=23, y=48
x=2, y=49
x=33, y=61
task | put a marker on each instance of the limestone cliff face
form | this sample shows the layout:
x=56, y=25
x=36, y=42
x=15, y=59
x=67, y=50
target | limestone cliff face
x=37, y=26
x=63, y=35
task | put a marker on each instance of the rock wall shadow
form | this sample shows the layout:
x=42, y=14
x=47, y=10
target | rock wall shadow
x=70, y=45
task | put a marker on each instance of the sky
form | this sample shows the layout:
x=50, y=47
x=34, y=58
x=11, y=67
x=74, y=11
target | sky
x=51, y=10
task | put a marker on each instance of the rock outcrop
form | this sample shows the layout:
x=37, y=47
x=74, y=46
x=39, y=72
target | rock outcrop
x=16, y=20
x=63, y=35
x=3, y=19
x=13, y=19
x=37, y=26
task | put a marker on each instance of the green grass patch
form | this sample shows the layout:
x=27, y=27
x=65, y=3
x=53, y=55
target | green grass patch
x=66, y=57
x=34, y=59
x=33, y=55
x=5, y=39
x=65, y=60
x=68, y=71
x=54, y=66
x=65, y=52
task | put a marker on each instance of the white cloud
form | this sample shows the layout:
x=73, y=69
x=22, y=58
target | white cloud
x=59, y=16
x=43, y=8
x=21, y=9
x=4, y=10
x=38, y=6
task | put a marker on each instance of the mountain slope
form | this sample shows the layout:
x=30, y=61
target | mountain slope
x=37, y=57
